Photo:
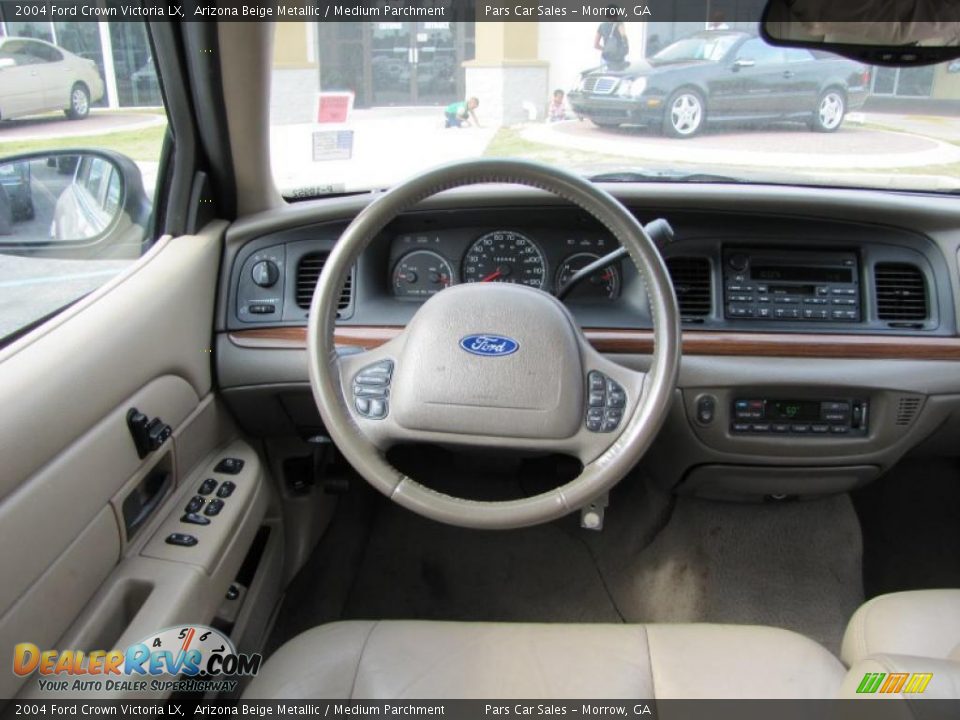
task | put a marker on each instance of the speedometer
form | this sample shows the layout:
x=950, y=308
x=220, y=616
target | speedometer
x=505, y=256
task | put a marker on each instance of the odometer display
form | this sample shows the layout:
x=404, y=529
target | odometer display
x=505, y=256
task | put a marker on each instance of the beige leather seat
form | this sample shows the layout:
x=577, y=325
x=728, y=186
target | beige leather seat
x=445, y=660
x=906, y=632
x=903, y=632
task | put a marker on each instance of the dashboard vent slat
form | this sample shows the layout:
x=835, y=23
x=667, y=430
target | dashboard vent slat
x=693, y=284
x=907, y=409
x=308, y=273
x=901, y=292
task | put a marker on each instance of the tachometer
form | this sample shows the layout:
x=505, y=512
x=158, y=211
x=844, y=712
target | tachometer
x=505, y=256
x=604, y=284
x=421, y=273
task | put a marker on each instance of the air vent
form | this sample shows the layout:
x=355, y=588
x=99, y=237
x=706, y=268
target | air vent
x=907, y=409
x=308, y=272
x=692, y=283
x=901, y=292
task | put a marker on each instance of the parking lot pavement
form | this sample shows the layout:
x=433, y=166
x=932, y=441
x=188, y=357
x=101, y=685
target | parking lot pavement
x=782, y=146
x=382, y=147
x=57, y=126
x=40, y=286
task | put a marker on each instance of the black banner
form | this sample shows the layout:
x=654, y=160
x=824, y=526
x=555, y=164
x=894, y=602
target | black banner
x=716, y=11
x=878, y=709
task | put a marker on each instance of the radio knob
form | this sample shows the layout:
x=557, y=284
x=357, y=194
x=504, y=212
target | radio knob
x=738, y=261
x=265, y=273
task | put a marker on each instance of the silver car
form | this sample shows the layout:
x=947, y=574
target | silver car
x=37, y=77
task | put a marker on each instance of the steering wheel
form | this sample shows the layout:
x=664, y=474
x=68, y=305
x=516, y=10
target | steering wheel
x=493, y=365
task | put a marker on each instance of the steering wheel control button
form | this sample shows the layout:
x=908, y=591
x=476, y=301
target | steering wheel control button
x=182, y=539
x=371, y=387
x=229, y=466
x=606, y=401
x=226, y=490
x=195, y=519
x=207, y=486
x=196, y=502
x=214, y=508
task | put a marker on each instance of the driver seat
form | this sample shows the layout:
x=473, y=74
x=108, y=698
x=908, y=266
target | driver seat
x=367, y=659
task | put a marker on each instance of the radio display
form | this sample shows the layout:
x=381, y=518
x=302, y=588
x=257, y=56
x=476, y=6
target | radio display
x=797, y=273
x=802, y=410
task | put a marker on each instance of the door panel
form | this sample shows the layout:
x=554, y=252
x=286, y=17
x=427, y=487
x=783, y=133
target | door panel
x=141, y=340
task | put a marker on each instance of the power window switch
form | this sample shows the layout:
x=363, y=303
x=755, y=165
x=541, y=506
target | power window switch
x=226, y=489
x=195, y=519
x=196, y=502
x=229, y=466
x=207, y=486
x=214, y=508
x=181, y=539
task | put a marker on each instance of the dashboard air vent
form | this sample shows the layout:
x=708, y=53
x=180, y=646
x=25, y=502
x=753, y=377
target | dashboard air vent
x=693, y=285
x=308, y=272
x=907, y=410
x=901, y=292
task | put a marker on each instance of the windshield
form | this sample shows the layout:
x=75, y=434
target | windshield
x=697, y=48
x=358, y=106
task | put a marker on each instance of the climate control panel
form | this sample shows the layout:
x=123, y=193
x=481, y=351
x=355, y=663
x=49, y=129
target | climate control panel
x=836, y=417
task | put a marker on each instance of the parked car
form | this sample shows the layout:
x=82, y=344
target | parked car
x=37, y=77
x=16, y=187
x=726, y=76
x=92, y=202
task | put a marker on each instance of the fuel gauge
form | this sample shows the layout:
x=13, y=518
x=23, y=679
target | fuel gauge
x=602, y=285
x=420, y=274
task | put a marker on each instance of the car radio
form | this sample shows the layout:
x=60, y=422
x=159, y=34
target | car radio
x=791, y=285
x=834, y=417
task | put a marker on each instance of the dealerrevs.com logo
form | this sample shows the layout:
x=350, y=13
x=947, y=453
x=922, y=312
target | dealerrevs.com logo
x=202, y=655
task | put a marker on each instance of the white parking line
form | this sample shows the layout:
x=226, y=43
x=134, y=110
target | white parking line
x=56, y=278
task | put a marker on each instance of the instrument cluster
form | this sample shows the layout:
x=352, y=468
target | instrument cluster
x=422, y=264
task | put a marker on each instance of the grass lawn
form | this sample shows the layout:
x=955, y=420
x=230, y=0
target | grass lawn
x=143, y=144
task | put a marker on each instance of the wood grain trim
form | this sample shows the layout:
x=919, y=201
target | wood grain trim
x=795, y=345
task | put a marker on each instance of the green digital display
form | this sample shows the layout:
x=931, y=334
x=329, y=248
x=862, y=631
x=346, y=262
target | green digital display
x=803, y=410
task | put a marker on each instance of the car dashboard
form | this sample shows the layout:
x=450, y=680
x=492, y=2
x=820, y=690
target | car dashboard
x=819, y=327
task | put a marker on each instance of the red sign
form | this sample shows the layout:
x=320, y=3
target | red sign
x=334, y=107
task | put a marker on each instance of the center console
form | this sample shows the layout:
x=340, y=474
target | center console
x=791, y=285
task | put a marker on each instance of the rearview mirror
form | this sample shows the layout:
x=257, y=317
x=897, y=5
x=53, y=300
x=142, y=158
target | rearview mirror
x=57, y=204
x=877, y=32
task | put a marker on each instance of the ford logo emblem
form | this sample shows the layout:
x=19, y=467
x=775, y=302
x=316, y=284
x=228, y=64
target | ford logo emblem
x=489, y=345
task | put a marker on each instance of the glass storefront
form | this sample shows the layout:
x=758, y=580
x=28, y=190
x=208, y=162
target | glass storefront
x=396, y=63
x=121, y=52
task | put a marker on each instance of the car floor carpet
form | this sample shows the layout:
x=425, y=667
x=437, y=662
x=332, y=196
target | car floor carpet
x=911, y=527
x=794, y=565
x=790, y=565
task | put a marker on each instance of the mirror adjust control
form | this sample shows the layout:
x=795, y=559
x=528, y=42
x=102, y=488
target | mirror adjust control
x=196, y=502
x=706, y=409
x=214, y=508
x=606, y=402
x=207, y=486
x=182, y=539
x=229, y=466
x=148, y=435
x=371, y=388
x=195, y=519
x=226, y=489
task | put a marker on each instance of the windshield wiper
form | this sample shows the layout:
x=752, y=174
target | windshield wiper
x=631, y=176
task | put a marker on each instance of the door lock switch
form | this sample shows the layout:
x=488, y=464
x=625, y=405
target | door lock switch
x=181, y=539
x=195, y=519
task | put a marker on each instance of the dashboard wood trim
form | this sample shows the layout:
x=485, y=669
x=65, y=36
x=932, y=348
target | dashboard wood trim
x=609, y=340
